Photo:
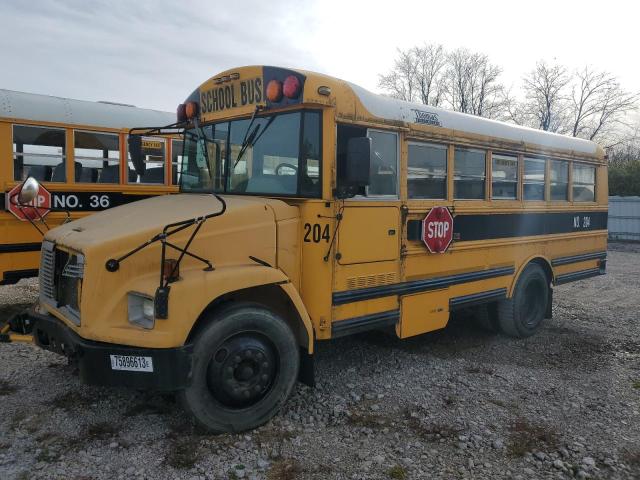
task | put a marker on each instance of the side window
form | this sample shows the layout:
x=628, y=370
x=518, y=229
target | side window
x=39, y=152
x=176, y=160
x=97, y=157
x=584, y=183
x=504, y=177
x=469, y=174
x=152, y=168
x=534, y=178
x=427, y=171
x=559, y=180
x=383, y=178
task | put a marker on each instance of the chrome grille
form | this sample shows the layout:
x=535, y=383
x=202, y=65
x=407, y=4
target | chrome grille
x=61, y=275
x=47, y=271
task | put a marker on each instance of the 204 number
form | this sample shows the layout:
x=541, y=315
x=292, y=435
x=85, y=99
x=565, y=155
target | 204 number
x=316, y=233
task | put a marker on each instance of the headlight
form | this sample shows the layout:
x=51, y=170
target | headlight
x=141, y=310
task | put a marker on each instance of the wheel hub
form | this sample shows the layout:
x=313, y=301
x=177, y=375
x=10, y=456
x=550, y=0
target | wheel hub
x=242, y=370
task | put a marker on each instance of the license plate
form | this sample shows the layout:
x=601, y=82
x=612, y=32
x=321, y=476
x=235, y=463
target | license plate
x=131, y=363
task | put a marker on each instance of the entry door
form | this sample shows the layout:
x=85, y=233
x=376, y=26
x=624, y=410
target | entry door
x=369, y=235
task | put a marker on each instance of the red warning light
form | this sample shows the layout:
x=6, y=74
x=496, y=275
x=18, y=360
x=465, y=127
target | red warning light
x=291, y=88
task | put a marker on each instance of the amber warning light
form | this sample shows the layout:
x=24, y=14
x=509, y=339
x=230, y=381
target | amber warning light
x=187, y=111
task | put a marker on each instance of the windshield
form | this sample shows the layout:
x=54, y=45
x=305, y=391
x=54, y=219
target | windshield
x=269, y=155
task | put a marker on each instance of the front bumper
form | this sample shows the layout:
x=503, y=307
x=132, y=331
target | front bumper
x=171, y=366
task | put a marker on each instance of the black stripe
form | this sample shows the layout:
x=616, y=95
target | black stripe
x=93, y=201
x=578, y=258
x=572, y=277
x=415, y=286
x=20, y=247
x=342, y=328
x=505, y=225
x=477, y=298
x=11, y=277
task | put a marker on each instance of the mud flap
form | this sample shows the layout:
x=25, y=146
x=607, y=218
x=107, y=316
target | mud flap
x=549, y=313
x=306, y=374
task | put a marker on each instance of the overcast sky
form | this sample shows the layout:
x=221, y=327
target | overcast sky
x=154, y=53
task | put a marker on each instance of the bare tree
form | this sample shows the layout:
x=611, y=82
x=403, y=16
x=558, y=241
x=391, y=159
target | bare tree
x=599, y=104
x=401, y=81
x=545, y=97
x=430, y=62
x=472, y=84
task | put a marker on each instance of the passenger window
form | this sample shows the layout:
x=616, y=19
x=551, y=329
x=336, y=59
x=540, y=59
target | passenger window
x=427, y=171
x=383, y=179
x=469, y=174
x=39, y=152
x=584, y=182
x=504, y=177
x=176, y=160
x=559, y=180
x=152, y=168
x=534, y=178
x=97, y=157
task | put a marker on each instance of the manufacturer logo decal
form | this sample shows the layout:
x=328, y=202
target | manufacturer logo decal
x=427, y=118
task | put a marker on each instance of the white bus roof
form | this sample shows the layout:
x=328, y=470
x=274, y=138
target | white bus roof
x=394, y=109
x=45, y=108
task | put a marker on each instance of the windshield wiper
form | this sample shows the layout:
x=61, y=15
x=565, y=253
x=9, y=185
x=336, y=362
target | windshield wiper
x=248, y=138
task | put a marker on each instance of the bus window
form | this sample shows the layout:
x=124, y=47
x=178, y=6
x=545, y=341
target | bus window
x=97, y=157
x=383, y=180
x=559, y=173
x=504, y=177
x=152, y=169
x=39, y=152
x=584, y=181
x=534, y=178
x=427, y=171
x=176, y=160
x=469, y=174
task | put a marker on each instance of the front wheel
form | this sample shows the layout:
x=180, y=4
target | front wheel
x=521, y=315
x=245, y=364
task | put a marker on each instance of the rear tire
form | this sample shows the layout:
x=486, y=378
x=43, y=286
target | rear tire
x=245, y=365
x=521, y=315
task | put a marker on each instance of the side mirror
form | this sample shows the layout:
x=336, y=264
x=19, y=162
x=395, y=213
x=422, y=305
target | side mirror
x=28, y=191
x=358, y=165
x=135, y=151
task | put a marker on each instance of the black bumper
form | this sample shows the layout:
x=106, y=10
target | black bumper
x=171, y=366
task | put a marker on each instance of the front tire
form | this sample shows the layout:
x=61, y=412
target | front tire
x=521, y=315
x=245, y=365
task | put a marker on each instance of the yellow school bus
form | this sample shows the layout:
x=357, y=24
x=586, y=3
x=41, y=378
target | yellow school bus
x=77, y=150
x=311, y=209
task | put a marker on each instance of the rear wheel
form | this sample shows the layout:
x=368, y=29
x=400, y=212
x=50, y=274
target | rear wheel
x=521, y=315
x=245, y=364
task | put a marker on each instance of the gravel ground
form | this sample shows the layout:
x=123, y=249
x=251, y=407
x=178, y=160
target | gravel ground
x=459, y=403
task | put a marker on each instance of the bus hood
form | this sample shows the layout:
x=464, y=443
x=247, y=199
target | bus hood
x=121, y=227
